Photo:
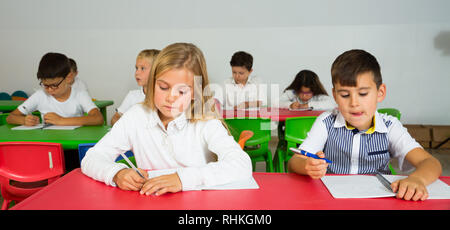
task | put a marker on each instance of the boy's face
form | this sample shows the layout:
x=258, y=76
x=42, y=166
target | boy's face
x=240, y=74
x=143, y=67
x=58, y=86
x=358, y=104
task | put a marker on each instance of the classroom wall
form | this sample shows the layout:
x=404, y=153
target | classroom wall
x=410, y=38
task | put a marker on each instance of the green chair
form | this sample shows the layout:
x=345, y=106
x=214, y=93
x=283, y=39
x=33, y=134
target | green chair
x=391, y=111
x=297, y=129
x=395, y=113
x=3, y=117
x=257, y=147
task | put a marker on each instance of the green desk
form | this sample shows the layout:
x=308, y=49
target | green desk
x=9, y=105
x=68, y=138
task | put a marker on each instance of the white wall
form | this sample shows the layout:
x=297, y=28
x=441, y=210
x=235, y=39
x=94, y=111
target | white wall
x=410, y=38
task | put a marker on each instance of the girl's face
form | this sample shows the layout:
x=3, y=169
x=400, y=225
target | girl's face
x=143, y=67
x=305, y=94
x=173, y=93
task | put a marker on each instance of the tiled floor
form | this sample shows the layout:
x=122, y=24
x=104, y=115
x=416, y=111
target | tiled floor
x=443, y=155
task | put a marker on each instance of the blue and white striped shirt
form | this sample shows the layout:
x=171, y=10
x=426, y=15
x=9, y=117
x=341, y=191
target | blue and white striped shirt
x=359, y=152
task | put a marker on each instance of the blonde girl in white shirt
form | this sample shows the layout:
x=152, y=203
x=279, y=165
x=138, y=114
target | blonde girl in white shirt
x=144, y=62
x=176, y=127
x=306, y=91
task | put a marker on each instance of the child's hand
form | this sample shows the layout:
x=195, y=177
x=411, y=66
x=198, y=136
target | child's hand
x=162, y=184
x=128, y=179
x=31, y=120
x=316, y=168
x=410, y=188
x=295, y=105
x=53, y=118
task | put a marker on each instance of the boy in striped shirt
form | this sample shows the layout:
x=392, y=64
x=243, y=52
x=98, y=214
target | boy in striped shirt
x=359, y=140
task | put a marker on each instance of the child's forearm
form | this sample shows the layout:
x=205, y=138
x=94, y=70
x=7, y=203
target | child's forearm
x=297, y=165
x=15, y=119
x=427, y=170
x=115, y=118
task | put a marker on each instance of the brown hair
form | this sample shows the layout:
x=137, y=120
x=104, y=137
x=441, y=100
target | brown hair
x=350, y=64
x=242, y=58
x=308, y=79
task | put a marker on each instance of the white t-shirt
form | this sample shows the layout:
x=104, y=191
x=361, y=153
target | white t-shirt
x=190, y=148
x=78, y=103
x=318, y=102
x=235, y=94
x=79, y=84
x=133, y=97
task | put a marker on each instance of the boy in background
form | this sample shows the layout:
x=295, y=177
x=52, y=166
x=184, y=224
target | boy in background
x=242, y=90
x=57, y=101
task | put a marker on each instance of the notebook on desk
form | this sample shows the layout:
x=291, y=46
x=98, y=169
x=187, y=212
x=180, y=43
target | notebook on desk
x=367, y=186
x=41, y=126
x=243, y=184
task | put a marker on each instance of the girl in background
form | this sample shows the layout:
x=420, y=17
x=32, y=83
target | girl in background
x=306, y=91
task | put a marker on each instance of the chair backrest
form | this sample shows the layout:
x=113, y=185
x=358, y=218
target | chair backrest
x=391, y=111
x=3, y=117
x=244, y=136
x=4, y=96
x=297, y=129
x=83, y=148
x=19, y=95
x=28, y=162
x=259, y=126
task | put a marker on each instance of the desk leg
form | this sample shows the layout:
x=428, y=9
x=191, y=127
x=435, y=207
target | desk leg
x=103, y=111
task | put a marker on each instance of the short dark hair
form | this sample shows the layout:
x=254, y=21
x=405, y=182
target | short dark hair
x=350, y=64
x=308, y=79
x=53, y=65
x=242, y=58
x=73, y=65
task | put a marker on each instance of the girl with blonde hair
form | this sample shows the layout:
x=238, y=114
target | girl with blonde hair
x=175, y=128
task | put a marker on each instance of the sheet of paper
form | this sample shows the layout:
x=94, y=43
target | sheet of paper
x=62, y=127
x=305, y=109
x=367, y=186
x=39, y=126
x=23, y=127
x=243, y=184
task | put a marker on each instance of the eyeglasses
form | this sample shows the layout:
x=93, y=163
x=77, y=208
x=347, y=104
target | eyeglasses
x=51, y=86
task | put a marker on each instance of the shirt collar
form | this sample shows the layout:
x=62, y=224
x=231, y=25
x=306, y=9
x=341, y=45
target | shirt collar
x=378, y=124
x=179, y=122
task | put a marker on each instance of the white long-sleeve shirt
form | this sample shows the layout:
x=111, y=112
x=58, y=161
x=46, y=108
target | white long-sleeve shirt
x=235, y=94
x=191, y=148
x=318, y=102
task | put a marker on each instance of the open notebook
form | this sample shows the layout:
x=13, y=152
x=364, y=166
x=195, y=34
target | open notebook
x=367, y=186
x=41, y=126
x=244, y=184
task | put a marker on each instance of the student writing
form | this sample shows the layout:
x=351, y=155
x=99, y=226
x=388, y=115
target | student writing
x=242, y=89
x=176, y=127
x=359, y=140
x=58, y=102
x=306, y=91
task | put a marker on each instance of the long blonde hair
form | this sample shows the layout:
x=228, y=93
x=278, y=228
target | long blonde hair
x=188, y=56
